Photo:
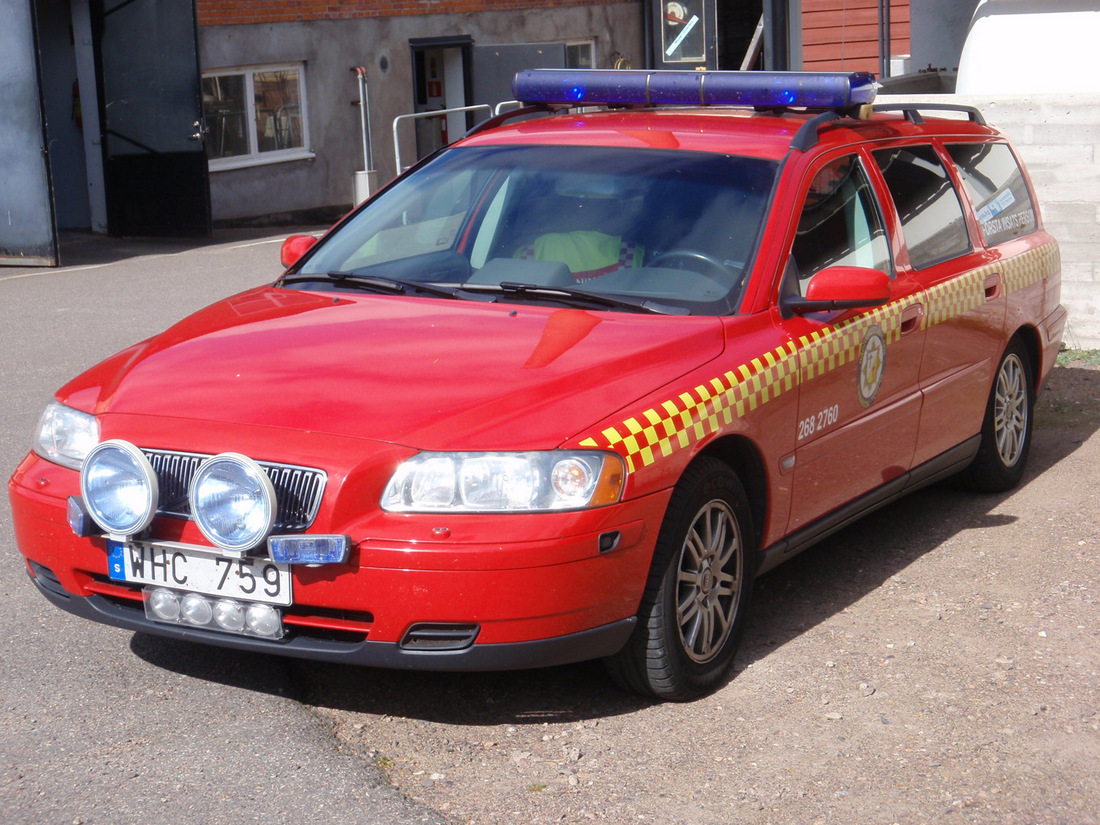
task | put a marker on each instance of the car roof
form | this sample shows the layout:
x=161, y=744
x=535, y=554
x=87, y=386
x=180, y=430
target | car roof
x=758, y=114
x=737, y=131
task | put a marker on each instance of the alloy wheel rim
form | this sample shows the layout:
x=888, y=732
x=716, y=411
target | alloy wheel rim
x=708, y=582
x=1010, y=411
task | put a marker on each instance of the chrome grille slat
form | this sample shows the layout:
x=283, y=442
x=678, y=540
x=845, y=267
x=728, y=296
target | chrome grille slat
x=298, y=490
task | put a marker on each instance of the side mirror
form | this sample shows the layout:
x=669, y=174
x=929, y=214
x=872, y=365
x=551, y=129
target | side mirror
x=840, y=287
x=294, y=248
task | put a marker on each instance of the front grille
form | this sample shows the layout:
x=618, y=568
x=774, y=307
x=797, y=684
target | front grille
x=298, y=490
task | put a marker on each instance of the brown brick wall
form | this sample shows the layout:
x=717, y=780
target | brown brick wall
x=232, y=12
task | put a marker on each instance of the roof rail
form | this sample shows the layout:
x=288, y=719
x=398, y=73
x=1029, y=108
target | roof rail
x=806, y=136
x=912, y=111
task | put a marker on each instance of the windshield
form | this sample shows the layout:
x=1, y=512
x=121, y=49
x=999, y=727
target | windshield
x=641, y=226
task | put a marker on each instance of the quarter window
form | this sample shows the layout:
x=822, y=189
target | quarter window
x=255, y=115
x=840, y=223
x=927, y=203
x=993, y=180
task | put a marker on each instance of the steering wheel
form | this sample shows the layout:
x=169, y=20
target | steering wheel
x=714, y=267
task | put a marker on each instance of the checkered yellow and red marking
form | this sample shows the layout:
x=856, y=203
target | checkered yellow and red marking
x=706, y=409
x=701, y=411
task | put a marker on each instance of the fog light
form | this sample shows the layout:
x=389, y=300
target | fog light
x=195, y=609
x=229, y=615
x=233, y=502
x=119, y=487
x=263, y=620
x=165, y=604
x=209, y=613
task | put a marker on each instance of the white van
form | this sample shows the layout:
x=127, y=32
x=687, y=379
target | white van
x=1032, y=46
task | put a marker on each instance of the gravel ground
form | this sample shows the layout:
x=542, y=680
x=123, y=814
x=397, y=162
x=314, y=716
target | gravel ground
x=936, y=662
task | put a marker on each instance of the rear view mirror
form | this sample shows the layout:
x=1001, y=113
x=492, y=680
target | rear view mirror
x=294, y=248
x=840, y=287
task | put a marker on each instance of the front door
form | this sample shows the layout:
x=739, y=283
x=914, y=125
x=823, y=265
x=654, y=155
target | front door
x=859, y=401
x=154, y=159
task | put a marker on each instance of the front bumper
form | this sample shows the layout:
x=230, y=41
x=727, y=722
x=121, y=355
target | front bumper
x=496, y=598
x=574, y=647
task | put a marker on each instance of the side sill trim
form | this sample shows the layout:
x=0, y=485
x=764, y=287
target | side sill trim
x=942, y=466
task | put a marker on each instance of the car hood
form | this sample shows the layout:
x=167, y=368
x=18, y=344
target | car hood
x=422, y=372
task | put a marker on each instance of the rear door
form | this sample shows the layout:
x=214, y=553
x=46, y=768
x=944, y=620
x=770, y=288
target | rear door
x=27, y=229
x=154, y=158
x=963, y=294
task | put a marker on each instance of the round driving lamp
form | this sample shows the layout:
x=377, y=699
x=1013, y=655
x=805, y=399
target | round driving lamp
x=233, y=502
x=119, y=487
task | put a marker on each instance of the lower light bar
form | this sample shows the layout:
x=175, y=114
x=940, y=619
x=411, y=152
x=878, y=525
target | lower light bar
x=811, y=90
x=211, y=613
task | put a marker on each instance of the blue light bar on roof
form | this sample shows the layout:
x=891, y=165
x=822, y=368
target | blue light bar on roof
x=810, y=90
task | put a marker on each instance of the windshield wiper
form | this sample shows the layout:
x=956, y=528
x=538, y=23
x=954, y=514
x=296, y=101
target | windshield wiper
x=376, y=283
x=580, y=296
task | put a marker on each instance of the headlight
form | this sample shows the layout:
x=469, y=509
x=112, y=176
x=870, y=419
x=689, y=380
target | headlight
x=233, y=502
x=505, y=482
x=119, y=488
x=65, y=435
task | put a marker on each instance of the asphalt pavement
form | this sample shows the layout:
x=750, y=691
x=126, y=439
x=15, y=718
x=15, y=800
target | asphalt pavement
x=106, y=726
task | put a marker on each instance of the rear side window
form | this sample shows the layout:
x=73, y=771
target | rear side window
x=995, y=184
x=927, y=203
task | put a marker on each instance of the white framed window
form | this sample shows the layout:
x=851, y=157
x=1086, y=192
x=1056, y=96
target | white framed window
x=255, y=115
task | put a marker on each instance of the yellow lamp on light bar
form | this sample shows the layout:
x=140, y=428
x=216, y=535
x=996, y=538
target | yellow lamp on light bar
x=810, y=90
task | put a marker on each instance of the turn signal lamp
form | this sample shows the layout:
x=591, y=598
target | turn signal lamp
x=309, y=549
x=767, y=90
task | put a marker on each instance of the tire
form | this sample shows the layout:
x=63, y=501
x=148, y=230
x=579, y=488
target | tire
x=692, y=612
x=1006, y=429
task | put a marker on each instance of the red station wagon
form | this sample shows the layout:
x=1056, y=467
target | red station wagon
x=563, y=389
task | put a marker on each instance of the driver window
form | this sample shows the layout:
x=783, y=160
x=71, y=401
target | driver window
x=839, y=225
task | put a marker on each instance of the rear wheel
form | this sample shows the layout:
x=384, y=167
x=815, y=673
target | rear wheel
x=1006, y=430
x=693, y=610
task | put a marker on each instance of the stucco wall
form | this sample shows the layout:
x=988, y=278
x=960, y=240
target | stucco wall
x=1058, y=138
x=330, y=48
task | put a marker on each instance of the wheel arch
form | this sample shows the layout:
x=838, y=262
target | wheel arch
x=1029, y=337
x=743, y=457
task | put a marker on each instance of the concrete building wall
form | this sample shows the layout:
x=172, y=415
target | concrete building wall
x=937, y=32
x=330, y=48
x=1058, y=138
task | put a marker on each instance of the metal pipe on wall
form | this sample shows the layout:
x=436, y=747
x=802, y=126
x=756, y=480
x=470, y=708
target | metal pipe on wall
x=884, y=37
x=364, y=181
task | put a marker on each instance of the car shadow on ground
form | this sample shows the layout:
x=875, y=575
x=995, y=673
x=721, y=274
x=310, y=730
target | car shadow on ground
x=787, y=602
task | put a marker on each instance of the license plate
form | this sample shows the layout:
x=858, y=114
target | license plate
x=182, y=567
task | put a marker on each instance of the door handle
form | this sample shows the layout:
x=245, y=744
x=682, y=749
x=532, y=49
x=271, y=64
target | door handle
x=992, y=286
x=911, y=317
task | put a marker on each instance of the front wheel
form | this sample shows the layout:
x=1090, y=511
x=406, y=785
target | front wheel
x=693, y=610
x=1006, y=430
